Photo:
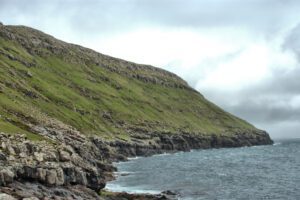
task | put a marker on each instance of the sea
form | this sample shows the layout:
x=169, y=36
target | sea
x=258, y=172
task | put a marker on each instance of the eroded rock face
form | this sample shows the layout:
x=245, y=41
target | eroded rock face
x=52, y=165
x=160, y=143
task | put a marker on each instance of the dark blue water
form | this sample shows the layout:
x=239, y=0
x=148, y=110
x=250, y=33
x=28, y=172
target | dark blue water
x=260, y=172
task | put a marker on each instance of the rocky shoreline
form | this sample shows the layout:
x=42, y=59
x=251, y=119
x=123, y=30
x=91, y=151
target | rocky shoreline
x=74, y=166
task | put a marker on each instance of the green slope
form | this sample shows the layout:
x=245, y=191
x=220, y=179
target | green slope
x=42, y=78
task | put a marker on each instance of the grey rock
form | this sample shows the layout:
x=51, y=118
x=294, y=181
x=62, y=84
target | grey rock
x=27, y=172
x=6, y=177
x=64, y=156
x=80, y=176
x=51, y=177
x=41, y=174
x=39, y=156
x=29, y=74
x=3, y=145
x=4, y=196
x=50, y=156
x=60, y=178
x=10, y=150
x=2, y=157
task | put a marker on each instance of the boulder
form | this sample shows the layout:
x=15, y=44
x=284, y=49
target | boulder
x=64, y=156
x=41, y=174
x=29, y=74
x=27, y=172
x=10, y=150
x=51, y=157
x=2, y=157
x=51, y=177
x=39, y=156
x=6, y=177
x=3, y=145
x=60, y=178
x=80, y=177
x=4, y=196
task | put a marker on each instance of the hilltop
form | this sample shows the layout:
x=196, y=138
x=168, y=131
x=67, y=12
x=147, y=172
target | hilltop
x=67, y=111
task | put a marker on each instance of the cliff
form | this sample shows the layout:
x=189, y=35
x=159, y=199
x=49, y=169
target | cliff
x=67, y=112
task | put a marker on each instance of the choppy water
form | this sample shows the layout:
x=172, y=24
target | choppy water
x=260, y=172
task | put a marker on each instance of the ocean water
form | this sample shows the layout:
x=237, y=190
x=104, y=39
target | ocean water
x=259, y=172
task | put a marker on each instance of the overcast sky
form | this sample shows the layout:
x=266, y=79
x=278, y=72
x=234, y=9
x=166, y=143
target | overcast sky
x=241, y=54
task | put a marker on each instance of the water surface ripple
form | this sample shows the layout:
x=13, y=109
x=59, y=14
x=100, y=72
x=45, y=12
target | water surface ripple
x=260, y=172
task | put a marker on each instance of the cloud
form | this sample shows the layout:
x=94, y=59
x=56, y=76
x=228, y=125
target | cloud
x=273, y=102
x=98, y=16
x=292, y=41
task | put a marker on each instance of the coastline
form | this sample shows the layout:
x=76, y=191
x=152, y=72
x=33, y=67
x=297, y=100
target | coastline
x=115, y=188
x=209, y=173
x=81, y=166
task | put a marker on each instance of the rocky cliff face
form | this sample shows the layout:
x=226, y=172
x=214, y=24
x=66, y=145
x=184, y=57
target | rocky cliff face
x=67, y=112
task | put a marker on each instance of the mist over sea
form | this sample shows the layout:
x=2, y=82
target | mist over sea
x=259, y=172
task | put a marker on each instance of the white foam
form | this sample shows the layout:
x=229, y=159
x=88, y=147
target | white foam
x=123, y=173
x=131, y=190
x=162, y=154
x=134, y=158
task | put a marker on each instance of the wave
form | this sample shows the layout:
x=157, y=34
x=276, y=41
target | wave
x=123, y=173
x=161, y=154
x=134, y=158
x=131, y=190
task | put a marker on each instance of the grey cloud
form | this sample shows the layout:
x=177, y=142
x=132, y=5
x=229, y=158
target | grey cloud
x=266, y=104
x=194, y=77
x=283, y=129
x=91, y=16
x=266, y=111
x=217, y=13
x=292, y=41
x=264, y=98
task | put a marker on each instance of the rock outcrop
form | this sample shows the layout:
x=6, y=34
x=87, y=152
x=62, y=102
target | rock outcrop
x=52, y=164
x=62, y=164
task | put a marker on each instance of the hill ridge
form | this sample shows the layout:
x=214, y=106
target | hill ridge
x=33, y=40
x=40, y=66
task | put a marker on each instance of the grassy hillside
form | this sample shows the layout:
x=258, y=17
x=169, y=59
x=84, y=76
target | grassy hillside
x=44, y=80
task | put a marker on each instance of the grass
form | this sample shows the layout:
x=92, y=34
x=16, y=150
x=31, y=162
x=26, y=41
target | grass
x=97, y=100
